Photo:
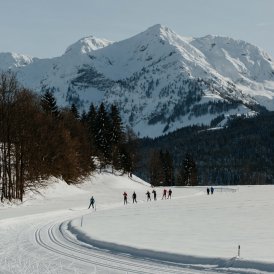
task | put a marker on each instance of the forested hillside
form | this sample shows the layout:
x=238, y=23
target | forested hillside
x=241, y=153
x=38, y=140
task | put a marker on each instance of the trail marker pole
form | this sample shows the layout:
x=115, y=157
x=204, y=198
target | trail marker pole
x=239, y=250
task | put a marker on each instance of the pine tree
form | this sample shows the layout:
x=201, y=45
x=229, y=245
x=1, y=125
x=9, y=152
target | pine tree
x=125, y=160
x=75, y=111
x=49, y=105
x=91, y=125
x=117, y=134
x=131, y=150
x=168, y=168
x=117, y=138
x=156, y=173
x=102, y=135
x=189, y=175
x=84, y=117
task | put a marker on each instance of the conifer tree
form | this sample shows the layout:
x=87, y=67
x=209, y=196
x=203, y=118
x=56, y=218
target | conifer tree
x=91, y=125
x=117, y=137
x=102, y=135
x=49, y=105
x=117, y=134
x=84, y=117
x=75, y=111
x=131, y=146
x=189, y=172
x=125, y=160
x=167, y=166
x=156, y=174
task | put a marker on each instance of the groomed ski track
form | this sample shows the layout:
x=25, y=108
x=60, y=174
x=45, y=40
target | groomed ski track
x=48, y=247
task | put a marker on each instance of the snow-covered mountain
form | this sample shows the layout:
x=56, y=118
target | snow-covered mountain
x=160, y=80
x=10, y=60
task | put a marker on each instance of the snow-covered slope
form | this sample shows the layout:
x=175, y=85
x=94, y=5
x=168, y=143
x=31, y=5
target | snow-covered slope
x=160, y=80
x=246, y=65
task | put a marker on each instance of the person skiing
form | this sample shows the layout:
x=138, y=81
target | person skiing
x=154, y=194
x=125, y=198
x=92, y=202
x=208, y=190
x=134, y=196
x=164, y=194
x=148, y=196
x=212, y=190
x=169, y=193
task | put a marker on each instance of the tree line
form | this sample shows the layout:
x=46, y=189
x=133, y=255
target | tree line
x=240, y=153
x=38, y=140
x=162, y=171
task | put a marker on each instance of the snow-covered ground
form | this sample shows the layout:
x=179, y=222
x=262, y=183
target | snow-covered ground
x=192, y=233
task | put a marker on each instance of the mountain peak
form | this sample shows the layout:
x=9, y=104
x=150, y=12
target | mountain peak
x=87, y=44
x=159, y=29
x=164, y=33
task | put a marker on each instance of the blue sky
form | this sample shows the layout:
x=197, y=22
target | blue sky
x=44, y=28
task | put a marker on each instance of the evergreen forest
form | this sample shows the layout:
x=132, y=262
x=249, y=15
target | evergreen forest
x=240, y=153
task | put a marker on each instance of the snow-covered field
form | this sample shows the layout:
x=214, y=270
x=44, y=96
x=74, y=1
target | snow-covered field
x=192, y=233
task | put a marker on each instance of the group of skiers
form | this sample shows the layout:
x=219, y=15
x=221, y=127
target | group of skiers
x=134, y=197
x=154, y=193
x=165, y=192
x=210, y=190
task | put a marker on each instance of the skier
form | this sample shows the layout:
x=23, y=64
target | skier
x=154, y=194
x=134, y=196
x=169, y=194
x=125, y=198
x=148, y=196
x=92, y=202
x=212, y=190
x=164, y=194
x=208, y=190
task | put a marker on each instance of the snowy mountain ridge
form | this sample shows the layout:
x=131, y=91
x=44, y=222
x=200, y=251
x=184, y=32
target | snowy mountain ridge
x=160, y=80
x=86, y=45
x=11, y=60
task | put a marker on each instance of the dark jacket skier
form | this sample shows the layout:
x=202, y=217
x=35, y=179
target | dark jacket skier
x=208, y=191
x=125, y=198
x=134, y=196
x=154, y=194
x=92, y=202
x=169, y=193
x=148, y=196
x=212, y=190
x=164, y=194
